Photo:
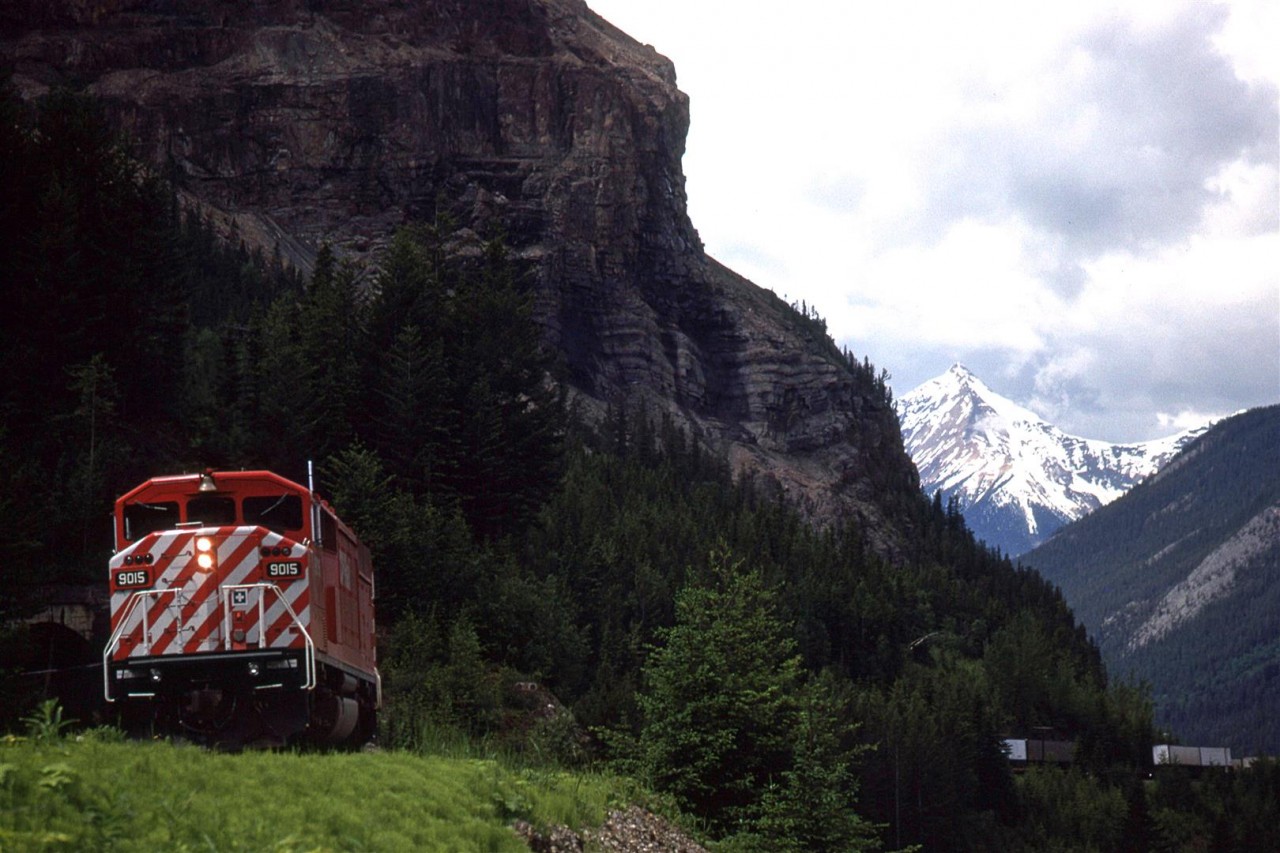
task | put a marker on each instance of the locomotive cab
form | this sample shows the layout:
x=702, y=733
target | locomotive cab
x=241, y=610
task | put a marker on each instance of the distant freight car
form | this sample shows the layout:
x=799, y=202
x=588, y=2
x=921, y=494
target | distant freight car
x=1022, y=751
x=241, y=611
x=1191, y=756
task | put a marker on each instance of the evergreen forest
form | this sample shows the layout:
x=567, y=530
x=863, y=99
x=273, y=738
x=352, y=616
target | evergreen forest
x=1214, y=678
x=784, y=688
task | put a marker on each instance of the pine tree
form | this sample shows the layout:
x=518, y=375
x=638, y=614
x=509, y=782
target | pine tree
x=414, y=418
x=331, y=344
x=719, y=699
x=812, y=807
x=281, y=376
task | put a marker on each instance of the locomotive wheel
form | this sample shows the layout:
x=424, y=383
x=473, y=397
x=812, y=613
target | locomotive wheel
x=333, y=717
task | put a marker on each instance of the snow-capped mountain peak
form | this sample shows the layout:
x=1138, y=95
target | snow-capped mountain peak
x=1016, y=476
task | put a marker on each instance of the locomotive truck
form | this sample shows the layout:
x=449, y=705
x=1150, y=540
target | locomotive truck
x=241, y=613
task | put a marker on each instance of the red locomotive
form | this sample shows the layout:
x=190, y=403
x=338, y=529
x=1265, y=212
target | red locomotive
x=241, y=611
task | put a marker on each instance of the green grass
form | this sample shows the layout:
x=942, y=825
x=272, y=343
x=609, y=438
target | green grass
x=96, y=792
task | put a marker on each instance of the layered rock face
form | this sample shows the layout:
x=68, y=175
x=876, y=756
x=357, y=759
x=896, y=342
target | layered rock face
x=299, y=123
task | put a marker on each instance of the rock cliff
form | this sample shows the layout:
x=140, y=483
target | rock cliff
x=298, y=123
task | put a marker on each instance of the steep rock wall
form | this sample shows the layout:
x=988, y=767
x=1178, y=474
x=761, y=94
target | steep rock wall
x=298, y=123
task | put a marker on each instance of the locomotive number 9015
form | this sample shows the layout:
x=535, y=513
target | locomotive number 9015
x=290, y=569
x=135, y=578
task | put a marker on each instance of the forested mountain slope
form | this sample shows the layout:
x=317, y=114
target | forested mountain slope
x=292, y=125
x=1179, y=581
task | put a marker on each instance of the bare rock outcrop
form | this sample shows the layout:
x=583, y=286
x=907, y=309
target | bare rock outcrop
x=631, y=831
x=329, y=121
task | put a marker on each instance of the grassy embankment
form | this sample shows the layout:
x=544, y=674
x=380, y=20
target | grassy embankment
x=99, y=792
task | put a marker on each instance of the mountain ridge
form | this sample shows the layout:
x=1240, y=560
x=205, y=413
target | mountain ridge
x=1016, y=476
x=1179, y=583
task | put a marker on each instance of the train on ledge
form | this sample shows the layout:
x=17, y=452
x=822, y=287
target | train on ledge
x=241, y=613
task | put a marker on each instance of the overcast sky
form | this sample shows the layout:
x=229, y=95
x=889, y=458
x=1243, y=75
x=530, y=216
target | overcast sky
x=1077, y=200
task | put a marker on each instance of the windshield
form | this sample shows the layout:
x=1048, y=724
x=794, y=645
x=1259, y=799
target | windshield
x=143, y=518
x=274, y=512
x=211, y=510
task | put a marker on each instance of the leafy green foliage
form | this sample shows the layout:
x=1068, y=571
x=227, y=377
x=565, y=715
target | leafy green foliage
x=46, y=725
x=94, y=794
x=1068, y=810
x=814, y=806
x=719, y=703
x=460, y=402
x=1216, y=811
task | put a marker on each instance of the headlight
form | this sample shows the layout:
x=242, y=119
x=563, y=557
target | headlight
x=204, y=552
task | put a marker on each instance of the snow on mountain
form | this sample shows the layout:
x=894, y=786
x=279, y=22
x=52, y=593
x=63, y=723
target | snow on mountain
x=1017, y=477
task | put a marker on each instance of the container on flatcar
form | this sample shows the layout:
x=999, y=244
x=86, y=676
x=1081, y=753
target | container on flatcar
x=1191, y=756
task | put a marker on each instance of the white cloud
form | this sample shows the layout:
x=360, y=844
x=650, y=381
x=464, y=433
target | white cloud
x=1078, y=200
x=973, y=288
x=1246, y=203
x=1185, y=419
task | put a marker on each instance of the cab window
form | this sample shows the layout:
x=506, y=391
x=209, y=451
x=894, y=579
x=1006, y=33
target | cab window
x=279, y=513
x=143, y=518
x=211, y=510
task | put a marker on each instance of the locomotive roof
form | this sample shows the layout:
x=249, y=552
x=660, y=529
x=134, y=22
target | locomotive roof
x=260, y=482
x=238, y=479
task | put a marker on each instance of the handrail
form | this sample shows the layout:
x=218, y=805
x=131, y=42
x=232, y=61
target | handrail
x=310, y=656
x=139, y=595
x=114, y=642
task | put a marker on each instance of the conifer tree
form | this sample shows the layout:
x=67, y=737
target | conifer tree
x=331, y=345
x=414, y=421
x=719, y=699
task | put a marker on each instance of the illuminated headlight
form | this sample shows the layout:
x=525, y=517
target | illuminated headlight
x=253, y=670
x=204, y=552
x=155, y=676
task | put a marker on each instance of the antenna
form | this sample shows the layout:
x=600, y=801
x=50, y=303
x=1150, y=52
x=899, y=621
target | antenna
x=315, y=504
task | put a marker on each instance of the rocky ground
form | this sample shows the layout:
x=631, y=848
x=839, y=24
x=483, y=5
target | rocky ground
x=632, y=831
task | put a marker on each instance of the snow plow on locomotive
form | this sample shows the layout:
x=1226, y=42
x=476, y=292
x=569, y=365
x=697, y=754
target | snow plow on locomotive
x=241, y=612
